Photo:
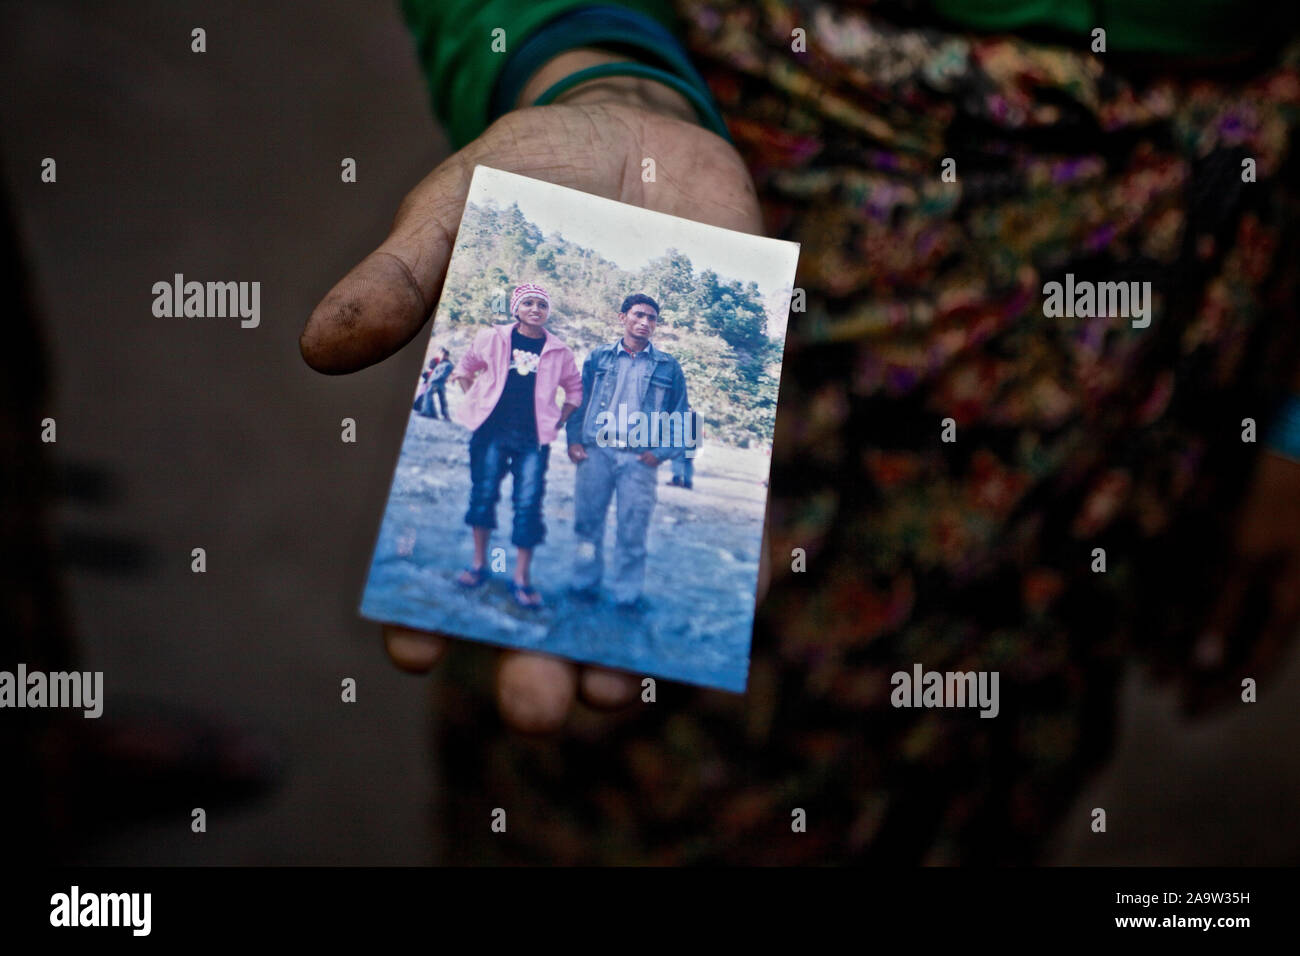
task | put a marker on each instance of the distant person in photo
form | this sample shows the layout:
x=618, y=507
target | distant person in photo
x=434, y=387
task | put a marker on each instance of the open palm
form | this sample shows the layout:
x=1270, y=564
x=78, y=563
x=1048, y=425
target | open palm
x=383, y=302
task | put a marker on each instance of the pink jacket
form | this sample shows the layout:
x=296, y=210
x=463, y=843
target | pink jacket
x=489, y=359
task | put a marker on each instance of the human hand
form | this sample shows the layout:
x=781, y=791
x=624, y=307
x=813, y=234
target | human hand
x=1265, y=564
x=594, y=141
x=648, y=458
x=577, y=454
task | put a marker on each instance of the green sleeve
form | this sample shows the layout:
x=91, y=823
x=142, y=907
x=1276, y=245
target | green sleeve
x=454, y=45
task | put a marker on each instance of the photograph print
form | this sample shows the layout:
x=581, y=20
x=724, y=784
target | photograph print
x=584, y=471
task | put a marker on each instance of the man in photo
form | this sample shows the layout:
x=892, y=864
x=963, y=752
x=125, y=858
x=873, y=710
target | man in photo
x=617, y=453
x=510, y=375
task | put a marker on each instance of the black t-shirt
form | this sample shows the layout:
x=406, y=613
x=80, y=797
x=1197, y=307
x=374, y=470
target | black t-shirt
x=516, y=411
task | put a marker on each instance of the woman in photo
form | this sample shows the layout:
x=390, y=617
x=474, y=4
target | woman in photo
x=510, y=375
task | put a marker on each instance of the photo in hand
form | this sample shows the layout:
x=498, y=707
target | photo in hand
x=584, y=472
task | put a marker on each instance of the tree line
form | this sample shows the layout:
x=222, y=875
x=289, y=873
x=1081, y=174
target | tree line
x=718, y=328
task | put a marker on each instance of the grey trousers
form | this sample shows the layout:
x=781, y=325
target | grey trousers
x=606, y=472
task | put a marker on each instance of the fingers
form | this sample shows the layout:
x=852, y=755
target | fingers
x=414, y=651
x=534, y=693
x=608, y=690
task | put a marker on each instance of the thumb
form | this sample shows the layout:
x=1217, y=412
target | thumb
x=381, y=304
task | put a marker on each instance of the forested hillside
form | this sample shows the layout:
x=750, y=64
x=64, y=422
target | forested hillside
x=716, y=327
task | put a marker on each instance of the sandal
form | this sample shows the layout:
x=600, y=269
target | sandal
x=476, y=577
x=521, y=594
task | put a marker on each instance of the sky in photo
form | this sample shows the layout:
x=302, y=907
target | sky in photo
x=630, y=236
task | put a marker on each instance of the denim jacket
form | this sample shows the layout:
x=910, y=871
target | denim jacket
x=665, y=392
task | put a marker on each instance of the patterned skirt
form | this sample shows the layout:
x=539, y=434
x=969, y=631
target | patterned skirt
x=1069, y=438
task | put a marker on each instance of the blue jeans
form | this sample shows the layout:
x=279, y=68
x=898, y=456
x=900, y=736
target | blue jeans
x=610, y=472
x=683, y=468
x=440, y=400
x=490, y=457
x=426, y=406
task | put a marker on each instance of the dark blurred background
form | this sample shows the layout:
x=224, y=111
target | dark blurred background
x=181, y=433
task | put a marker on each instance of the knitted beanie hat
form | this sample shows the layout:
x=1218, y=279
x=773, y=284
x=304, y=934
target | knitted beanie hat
x=525, y=290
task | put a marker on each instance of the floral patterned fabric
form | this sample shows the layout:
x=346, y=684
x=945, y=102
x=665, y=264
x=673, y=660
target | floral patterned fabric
x=924, y=303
